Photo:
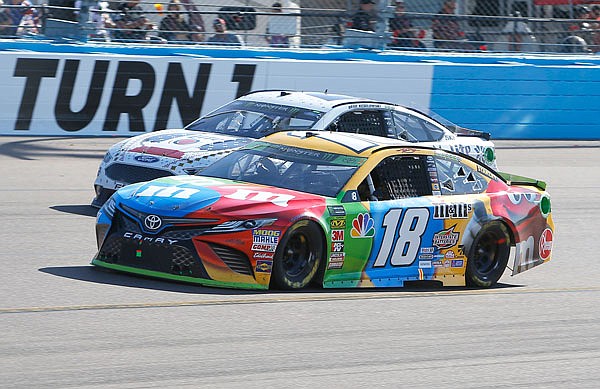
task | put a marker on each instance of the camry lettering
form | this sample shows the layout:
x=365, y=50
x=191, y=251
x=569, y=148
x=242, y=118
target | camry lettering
x=147, y=239
x=280, y=200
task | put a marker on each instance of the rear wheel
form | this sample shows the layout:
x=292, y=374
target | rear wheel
x=298, y=256
x=488, y=256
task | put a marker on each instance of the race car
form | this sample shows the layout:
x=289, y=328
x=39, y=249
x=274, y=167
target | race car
x=331, y=209
x=189, y=150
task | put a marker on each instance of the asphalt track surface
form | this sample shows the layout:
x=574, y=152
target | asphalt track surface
x=65, y=324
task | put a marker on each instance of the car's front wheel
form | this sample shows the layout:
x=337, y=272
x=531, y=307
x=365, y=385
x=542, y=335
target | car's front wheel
x=298, y=256
x=488, y=255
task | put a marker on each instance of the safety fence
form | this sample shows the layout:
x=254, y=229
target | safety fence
x=551, y=26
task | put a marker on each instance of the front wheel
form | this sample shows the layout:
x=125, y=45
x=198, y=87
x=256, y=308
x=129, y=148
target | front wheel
x=488, y=256
x=298, y=256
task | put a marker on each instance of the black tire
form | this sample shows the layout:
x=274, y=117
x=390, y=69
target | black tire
x=298, y=256
x=488, y=255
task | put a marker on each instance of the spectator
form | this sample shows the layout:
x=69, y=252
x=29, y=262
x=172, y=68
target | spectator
x=131, y=22
x=518, y=32
x=365, y=18
x=279, y=28
x=15, y=15
x=99, y=16
x=195, y=20
x=222, y=36
x=404, y=35
x=5, y=21
x=173, y=27
x=595, y=16
x=446, y=31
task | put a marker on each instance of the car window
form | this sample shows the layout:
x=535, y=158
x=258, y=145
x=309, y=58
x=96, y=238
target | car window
x=363, y=122
x=287, y=167
x=255, y=119
x=456, y=178
x=398, y=177
x=415, y=129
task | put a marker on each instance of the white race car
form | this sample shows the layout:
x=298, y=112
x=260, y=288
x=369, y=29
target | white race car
x=189, y=150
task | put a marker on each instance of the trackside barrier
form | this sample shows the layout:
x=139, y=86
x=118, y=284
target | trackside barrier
x=68, y=89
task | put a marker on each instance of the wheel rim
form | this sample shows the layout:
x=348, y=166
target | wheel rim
x=486, y=253
x=298, y=257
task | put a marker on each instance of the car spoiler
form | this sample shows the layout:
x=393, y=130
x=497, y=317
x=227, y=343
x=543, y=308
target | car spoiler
x=461, y=131
x=513, y=179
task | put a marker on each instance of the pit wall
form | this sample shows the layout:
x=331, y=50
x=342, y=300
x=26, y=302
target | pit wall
x=56, y=89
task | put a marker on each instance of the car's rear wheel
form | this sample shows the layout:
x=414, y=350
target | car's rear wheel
x=488, y=255
x=298, y=256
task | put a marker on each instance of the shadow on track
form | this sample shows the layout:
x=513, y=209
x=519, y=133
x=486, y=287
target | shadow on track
x=35, y=148
x=110, y=277
x=82, y=210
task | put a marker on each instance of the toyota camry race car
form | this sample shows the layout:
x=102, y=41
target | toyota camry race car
x=189, y=150
x=333, y=209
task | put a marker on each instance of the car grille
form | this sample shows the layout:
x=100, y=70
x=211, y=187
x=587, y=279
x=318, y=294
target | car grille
x=175, y=253
x=129, y=174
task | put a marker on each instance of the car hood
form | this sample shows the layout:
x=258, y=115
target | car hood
x=178, y=142
x=204, y=197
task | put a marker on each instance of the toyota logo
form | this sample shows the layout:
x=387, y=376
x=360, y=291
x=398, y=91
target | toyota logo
x=152, y=222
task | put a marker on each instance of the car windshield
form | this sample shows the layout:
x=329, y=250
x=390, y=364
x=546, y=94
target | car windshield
x=294, y=168
x=255, y=119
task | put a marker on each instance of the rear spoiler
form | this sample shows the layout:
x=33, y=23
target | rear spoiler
x=514, y=179
x=461, y=131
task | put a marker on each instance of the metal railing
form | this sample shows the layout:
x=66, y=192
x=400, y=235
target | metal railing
x=300, y=28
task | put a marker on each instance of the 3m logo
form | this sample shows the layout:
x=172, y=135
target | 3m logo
x=337, y=235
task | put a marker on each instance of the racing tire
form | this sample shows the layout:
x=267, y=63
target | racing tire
x=488, y=255
x=298, y=257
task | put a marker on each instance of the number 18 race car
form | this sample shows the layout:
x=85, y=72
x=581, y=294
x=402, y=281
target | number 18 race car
x=188, y=151
x=332, y=209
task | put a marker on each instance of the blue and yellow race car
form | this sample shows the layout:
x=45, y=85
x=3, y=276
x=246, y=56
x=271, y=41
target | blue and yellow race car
x=332, y=209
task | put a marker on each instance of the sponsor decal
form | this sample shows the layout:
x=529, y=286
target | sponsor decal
x=452, y=210
x=363, y=226
x=486, y=173
x=337, y=257
x=266, y=236
x=263, y=255
x=427, y=250
x=335, y=265
x=264, y=247
x=337, y=235
x=424, y=264
x=146, y=158
x=426, y=256
x=437, y=263
x=278, y=199
x=336, y=210
x=264, y=266
x=445, y=238
x=546, y=241
x=337, y=223
x=337, y=246
x=446, y=263
x=147, y=239
x=457, y=263
x=449, y=254
x=186, y=141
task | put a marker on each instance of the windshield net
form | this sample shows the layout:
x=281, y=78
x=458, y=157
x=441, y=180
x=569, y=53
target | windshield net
x=287, y=167
x=255, y=119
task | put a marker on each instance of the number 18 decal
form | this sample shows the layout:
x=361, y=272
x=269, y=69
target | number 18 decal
x=402, y=236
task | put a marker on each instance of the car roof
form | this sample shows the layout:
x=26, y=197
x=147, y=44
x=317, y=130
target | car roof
x=356, y=145
x=318, y=101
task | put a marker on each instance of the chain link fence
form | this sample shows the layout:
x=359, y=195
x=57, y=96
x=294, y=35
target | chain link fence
x=533, y=26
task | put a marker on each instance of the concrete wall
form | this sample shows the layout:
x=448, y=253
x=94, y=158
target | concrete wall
x=78, y=89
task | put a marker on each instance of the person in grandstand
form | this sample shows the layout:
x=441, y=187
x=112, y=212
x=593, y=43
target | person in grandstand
x=222, y=36
x=173, y=26
x=404, y=34
x=447, y=33
x=364, y=19
x=132, y=24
